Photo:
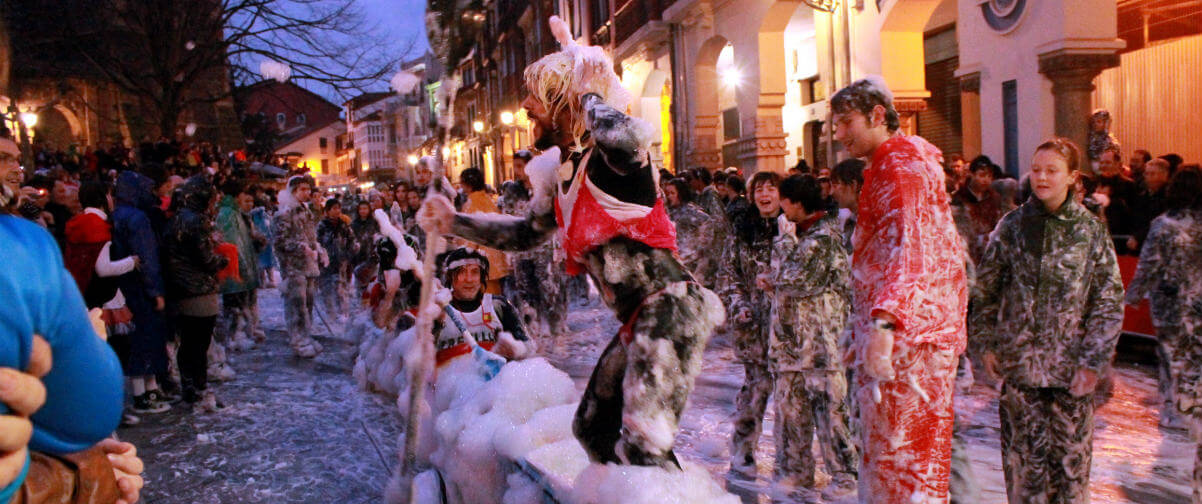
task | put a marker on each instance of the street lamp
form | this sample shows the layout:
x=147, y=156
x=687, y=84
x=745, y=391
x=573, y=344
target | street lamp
x=412, y=159
x=731, y=77
x=478, y=126
x=446, y=152
x=507, y=118
x=29, y=119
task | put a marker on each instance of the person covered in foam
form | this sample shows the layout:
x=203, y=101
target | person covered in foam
x=594, y=182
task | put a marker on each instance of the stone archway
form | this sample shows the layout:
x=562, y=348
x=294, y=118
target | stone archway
x=651, y=104
x=57, y=127
x=764, y=144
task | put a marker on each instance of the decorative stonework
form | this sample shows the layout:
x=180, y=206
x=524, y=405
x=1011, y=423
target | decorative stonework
x=1072, y=75
x=907, y=110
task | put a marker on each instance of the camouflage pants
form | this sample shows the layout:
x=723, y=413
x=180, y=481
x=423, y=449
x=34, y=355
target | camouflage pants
x=631, y=408
x=298, y=292
x=333, y=292
x=805, y=399
x=1167, y=365
x=750, y=405
x=1047, y=444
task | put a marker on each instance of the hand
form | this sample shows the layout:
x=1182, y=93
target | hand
x=159, y=303
x=23, y=394
x=436, y=215
x=878, y=352
x=127, y=468
x=764, y=282
x=392, y=281
x=989, y=362
x=1132, y=244
x=137, y=261
x=1084, y=382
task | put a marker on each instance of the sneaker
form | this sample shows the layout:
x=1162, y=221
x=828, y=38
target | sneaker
x=143, y=404
x=209, y=403
x=163, y=396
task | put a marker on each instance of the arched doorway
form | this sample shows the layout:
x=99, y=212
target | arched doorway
x=706, y=150
x=57, y=128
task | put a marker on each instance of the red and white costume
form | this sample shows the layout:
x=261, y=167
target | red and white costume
x=588, y=218
x=908, y=262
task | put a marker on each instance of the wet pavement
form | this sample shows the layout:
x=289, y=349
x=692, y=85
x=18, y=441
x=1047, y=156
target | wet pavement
x=293, y=431
x=302, y=431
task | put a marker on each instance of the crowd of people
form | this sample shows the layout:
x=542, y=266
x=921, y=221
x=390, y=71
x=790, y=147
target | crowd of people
x=168, y=245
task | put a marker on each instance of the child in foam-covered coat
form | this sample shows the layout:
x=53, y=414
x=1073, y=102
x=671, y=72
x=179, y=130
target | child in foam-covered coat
x=1047, y=312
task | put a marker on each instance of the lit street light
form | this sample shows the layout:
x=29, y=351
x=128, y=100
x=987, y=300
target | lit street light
x=478, y=126
x=731, y=77
x=30, y=119
x=507, y=118
x=446, y=152
x=412, y=159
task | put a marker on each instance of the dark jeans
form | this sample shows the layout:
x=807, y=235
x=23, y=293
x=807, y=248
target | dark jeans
x=195, y=334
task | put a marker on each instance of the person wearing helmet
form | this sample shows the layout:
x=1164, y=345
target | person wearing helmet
x=474, y=314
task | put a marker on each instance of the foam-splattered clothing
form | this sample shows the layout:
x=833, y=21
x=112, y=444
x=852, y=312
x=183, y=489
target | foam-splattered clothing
x=695, y=240
x=537, y=282
x=1168, y=260
x=908, y=263
x=1047, y=444
x=811, y=279
x=296, y=246
x=633, y=402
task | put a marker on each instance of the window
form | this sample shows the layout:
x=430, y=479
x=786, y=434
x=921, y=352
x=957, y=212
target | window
x=300, y=119
x=323, y=143
x=325, y=166
x=338, y=143
x=1010, y=125
x=281, y=120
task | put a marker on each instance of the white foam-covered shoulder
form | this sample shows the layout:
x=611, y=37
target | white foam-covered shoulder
x=406, y=257
x=543, y=172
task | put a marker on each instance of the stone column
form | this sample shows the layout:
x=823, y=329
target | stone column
x=706, y=152
x=1072, y=75
x=970, y=114
x=907, y=111
x=764, y=149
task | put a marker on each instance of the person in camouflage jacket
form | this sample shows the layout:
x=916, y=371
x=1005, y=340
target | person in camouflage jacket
x=1167, y=261
x=748, y=255
x=694, y=230
x=1170, y=277
x=1047, y=312
x=335, y=236
x=295, y=230
x=536, y=287
x=810, y=279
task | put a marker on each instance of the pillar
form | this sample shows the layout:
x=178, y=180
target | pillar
x=1072, y=75
x=907, y=112
x=765, y=148
x=706, y=151
x=970, y=114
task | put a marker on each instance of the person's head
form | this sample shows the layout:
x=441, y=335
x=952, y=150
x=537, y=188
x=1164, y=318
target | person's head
x=472, y=180
x=386, y=197
x=240, y=192
x=733, y=187
x=466, y=272
x=846, y=180
x=1139, y=158
x=414, y=198
x=1085, y=185
x=824, y=180
x=95, y=194
x=678, y=192
x=1156, y=174
x=301, y=187
x=556, y=85
x=332, y=208
x=520, y=158
x=376, y=201
x=422, y=174
x=363, y=210
x=1053, y=170
x=1174, y=161
x=863, y=116
x=699, y=179
x=1185, y=190
x=1110, y=164
x=800, y=197
x=10, y=172
x=765, y=193
x=1099, y=121
x=981, y=176
x=399, y=191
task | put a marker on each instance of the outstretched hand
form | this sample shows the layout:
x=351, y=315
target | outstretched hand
x=436, y=215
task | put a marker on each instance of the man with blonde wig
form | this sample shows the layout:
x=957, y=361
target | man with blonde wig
x=595, y=184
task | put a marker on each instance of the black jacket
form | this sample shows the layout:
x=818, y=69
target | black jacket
x=188, y=247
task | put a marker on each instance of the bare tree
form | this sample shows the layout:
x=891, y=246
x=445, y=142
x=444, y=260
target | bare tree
x=174, y=54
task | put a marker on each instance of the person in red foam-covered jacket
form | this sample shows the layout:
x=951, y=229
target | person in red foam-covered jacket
x=910, y=298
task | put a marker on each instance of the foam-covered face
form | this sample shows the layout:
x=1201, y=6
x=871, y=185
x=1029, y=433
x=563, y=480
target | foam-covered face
x=465, y=282
x=1050, y=178
x=767, y=199
x=10, y=165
